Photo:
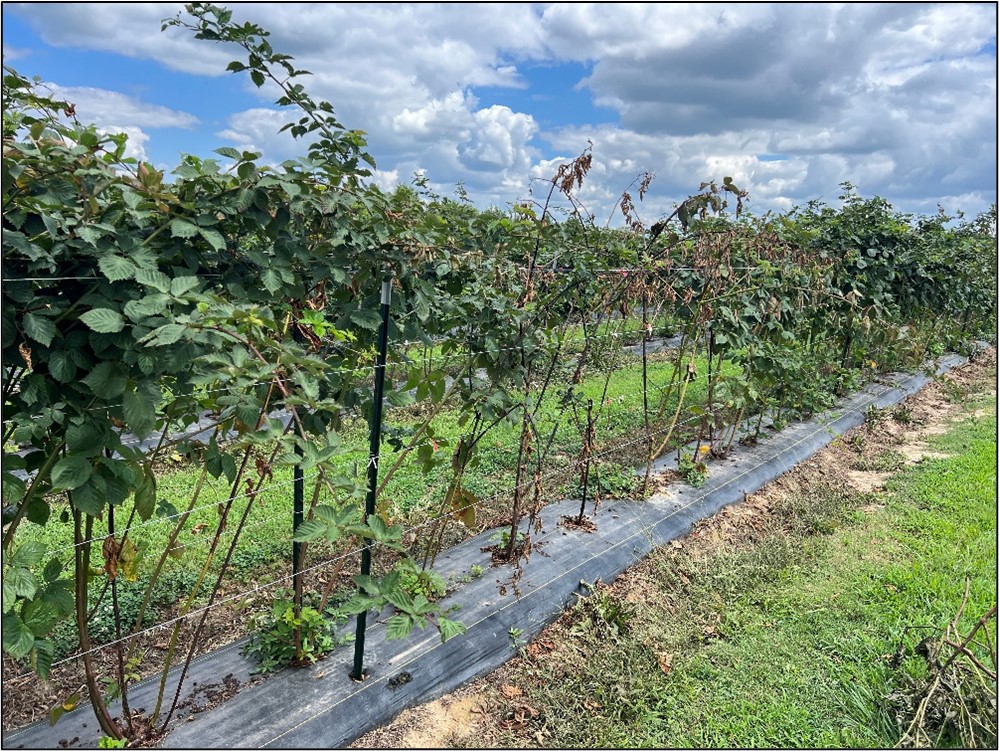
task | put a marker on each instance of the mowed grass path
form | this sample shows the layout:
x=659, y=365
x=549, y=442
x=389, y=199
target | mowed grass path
x=794, y=640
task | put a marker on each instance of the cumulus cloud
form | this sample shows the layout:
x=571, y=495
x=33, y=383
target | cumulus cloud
x=257, y=130
x=387, y=180
x=132, y=29
x=449, y=117
x=498, y=140
x=135, y=147
x=101, y=106
x=790, y=100
x=114, y=112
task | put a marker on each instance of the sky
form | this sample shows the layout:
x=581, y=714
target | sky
x=788, y=99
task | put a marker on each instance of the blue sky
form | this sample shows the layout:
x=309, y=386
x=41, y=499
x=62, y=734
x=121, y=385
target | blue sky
x=208, y=99
x=790, y=100
x=550, y=93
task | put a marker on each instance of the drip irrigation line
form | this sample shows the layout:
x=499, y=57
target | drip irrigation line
x=553, y=473
x=240, y=387
x=359, y=452
x=578, y=325
x=165, y=624
x=273, y=537
x=200, y=429
x=512, y=451
x=460, y=352
x=616, y=412
x=203, y=507
x=177, y=437
x=9, y=280
x=196, y=611
x=644, y=530
x=637, y=270
x=353, y=552
x=437, y=518
x=80, y=278
x=538, y=270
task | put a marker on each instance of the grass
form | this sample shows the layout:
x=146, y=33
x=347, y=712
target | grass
x=796, y=639
x=884, y=461
x=628, y=330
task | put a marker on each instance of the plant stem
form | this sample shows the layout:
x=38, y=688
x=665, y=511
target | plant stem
x=587, y=448
x=174, y=534
x=81, y=579
x=522, y=448
x=234, y=491
x=29, y=494
x=119, y=654
x=645, y=390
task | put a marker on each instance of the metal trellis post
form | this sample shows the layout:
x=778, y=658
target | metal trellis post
x=298, y=498
x=375, y=441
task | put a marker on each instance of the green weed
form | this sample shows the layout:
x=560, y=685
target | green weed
x=692, y=471
x=875, y=417
x=273, y=646
x=884, y=461
x=602, y=610
x=902, y=414
x=611, y=480
x=516, y=635
x=415, y=581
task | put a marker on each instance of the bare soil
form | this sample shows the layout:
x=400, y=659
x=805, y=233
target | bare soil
x=481, y=713
x=28, y=700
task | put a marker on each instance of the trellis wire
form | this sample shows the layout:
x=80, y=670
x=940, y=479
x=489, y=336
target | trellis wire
x=373, y=368
x=359, y=451
x=426, y=522
x=507, y=491
x=644, y=530
x=325, y=563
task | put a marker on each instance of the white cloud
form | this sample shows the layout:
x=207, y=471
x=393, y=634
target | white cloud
x=593, y=31
x=135, y=147
x=258, y=130
x=101, y=106
x=131, y=29
x=445, y=118
x=14, y=53
x=498, y=141
x=789, y=99
x=896, y=99
x=114, y=112
x=387, y=180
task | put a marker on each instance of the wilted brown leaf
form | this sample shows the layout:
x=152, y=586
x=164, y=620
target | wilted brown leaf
x=110, y=553
x=665, y=660
x=510, y=692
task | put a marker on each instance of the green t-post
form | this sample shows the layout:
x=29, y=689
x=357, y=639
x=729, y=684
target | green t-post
x=375, y=434
x=298, y=512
